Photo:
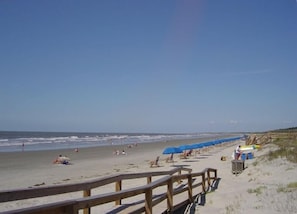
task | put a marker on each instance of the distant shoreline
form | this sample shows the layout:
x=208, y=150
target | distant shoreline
x=46, y=141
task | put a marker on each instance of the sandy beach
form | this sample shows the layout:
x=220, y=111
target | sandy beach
x=36, y=167
x=235, y=193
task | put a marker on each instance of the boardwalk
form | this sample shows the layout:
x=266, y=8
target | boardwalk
x=165, y=191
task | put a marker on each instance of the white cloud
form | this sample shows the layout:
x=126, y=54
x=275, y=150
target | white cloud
x=233, y=122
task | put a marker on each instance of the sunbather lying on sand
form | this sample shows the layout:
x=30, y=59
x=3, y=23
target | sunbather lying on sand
x=61, y=160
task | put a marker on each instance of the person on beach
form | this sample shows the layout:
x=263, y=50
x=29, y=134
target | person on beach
x=237, y=152
x=57, y=160
x=170, y=159
x=189, y=153
x=61, y=160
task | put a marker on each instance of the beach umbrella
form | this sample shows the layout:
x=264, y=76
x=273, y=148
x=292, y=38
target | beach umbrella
x=197, y=146
x=208, y=144
x=186, y=147
x=216, y=142
x=172, y=150
x=205, y=144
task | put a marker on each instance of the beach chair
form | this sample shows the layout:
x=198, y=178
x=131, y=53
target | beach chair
x=155, y=163
x=183, y=156
x=170, y=159
x=189, y=153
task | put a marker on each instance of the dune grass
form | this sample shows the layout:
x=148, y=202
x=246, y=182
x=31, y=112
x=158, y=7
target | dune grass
x=287, y=147
x=257, y=190
x=288, y=188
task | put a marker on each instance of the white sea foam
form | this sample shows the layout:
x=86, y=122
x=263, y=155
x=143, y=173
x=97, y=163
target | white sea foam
x=47, y=141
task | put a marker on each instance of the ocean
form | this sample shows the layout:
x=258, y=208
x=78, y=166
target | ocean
x=37, y=141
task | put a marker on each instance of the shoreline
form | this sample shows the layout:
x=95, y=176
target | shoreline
x=47, y=142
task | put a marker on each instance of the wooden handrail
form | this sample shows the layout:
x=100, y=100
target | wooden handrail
x=88, y=201
x=57, y=207
x=25, y=193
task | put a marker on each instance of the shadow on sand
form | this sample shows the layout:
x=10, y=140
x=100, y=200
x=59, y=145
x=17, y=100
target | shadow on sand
x=200, y=199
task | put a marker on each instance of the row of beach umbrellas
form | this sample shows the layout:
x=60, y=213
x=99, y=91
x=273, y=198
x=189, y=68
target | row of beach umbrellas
x=182, y=148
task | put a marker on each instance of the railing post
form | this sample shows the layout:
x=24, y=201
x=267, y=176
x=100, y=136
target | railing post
x=87, y=193
x=118, y=187
x=203, y=183
x=208, y=177
x=170, y=195
x=179, y=173
x=190, y=190
x=149, y=179
x=74, y=209
x=148, y=201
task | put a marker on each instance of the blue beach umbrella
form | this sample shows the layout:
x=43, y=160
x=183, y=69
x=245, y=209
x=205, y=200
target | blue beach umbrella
x=219, y=142
x=172, y=150
x=197, y=146
x=186, y=147
x=208, y=144
x=205, y=144
x=216, y=142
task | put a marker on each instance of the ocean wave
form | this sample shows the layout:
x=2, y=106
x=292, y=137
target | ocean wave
x=45, y=141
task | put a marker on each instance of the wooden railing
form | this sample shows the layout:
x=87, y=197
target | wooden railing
x=168, y=178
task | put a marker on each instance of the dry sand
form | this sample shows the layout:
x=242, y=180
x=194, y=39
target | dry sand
x=252, y=191
x=260, y=188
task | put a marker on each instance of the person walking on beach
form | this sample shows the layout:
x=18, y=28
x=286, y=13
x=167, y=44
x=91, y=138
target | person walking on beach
x=237, y=152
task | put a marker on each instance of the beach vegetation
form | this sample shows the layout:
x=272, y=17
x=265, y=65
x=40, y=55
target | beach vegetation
x=257, y=207
x=252, y=179
x=230, y=209
x=289, y=168
x=286, y=150
x=258, y=190
x=286, y=143
x=292, y=185
x=286, y=130
x=288, y=188
x=281, y=189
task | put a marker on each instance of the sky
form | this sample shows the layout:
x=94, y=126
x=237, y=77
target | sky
x=148, y=66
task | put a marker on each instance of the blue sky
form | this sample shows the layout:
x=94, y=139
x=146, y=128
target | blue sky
x=148, y=66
